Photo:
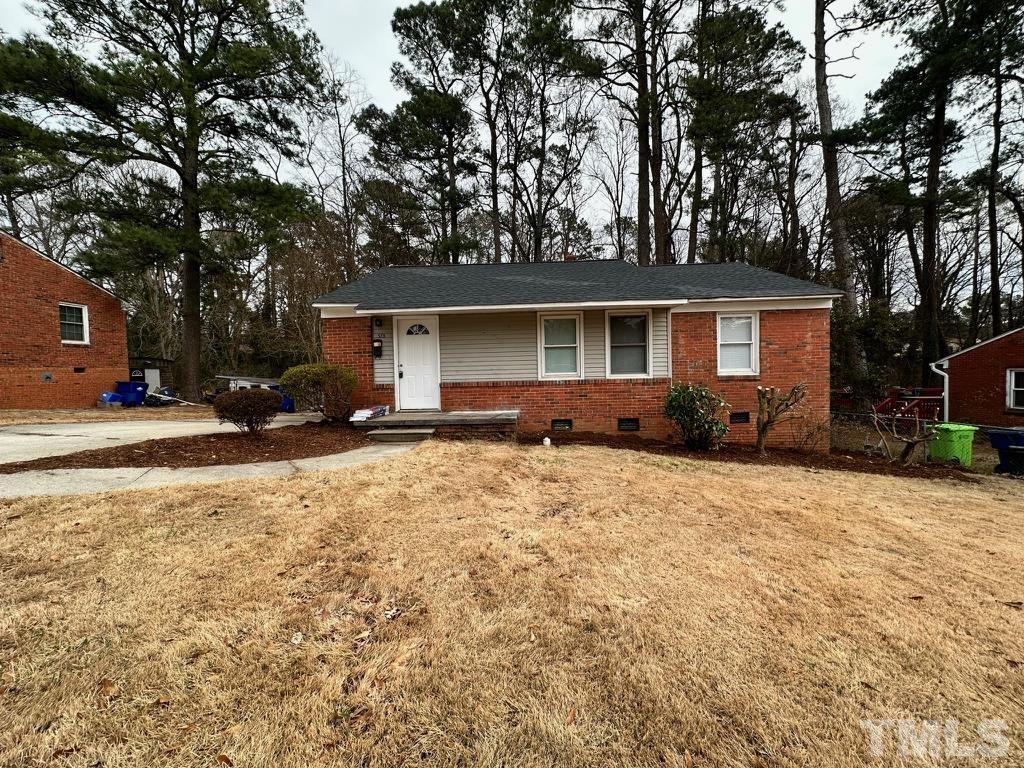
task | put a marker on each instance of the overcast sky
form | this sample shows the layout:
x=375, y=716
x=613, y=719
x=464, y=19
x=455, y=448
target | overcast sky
x=359, y=32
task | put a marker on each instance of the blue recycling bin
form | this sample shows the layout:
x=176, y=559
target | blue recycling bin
x=132, y=393
x=287, y=403
x=1002, y=440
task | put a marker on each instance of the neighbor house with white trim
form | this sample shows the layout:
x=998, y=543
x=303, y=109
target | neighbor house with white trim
x=984, y=384
x=583, y=345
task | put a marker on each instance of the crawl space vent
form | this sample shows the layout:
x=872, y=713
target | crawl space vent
x=629, y=425
x=561, y=425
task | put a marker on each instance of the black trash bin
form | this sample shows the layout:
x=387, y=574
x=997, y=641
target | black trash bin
x=1001, y=440
x=1015, y=460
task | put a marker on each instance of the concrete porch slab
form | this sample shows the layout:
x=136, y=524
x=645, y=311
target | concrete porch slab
x=415, y=419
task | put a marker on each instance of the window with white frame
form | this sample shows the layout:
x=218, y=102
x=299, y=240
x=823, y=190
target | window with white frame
x=628, y=351
x=74, y=323
x=1015, y=388
x=738, y=344
x=561, y=354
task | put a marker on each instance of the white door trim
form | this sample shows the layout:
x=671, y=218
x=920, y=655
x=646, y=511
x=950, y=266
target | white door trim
x=436, y=324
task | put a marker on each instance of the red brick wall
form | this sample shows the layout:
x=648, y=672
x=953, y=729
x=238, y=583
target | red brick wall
x=347, y=341
x=794, y=348
x=977, y=383
x=594, y=405
x=31, y=288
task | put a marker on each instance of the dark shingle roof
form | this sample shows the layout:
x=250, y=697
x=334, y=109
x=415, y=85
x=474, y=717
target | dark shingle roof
x=561, y=282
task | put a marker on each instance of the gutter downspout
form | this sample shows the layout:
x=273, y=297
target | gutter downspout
x=945, y=390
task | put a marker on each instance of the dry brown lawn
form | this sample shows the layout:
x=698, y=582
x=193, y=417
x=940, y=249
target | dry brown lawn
x=11, y=417
x=487, y=604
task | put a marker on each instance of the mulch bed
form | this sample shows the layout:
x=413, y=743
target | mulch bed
x=301, y=441
x=318, y=439
x=842, y=461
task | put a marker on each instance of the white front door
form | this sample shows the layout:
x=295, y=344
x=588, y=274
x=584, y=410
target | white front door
x=419, y=380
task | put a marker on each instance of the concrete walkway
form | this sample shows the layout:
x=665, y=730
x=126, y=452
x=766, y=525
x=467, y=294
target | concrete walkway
x=69, y=482
x=24, y=442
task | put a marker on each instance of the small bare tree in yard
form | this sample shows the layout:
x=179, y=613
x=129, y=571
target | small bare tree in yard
x=775, y=406
x=897, y=429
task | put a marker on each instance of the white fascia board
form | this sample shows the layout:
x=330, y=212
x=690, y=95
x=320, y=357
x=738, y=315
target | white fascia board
x=637, y=303
x=328, y=311
x=756, y=304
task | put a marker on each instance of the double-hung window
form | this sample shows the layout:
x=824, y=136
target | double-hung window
x=74, y=323
x=560, y=348
x=738, y=345
x=629, y=344
x=1015, y=388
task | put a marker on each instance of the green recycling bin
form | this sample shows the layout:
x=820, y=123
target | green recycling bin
x=954, y=443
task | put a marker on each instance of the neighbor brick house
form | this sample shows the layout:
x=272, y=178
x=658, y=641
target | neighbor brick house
x=64, y=337
x=985, y=383
x=589, y=346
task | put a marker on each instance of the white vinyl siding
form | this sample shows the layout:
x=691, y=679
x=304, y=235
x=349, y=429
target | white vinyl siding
x=593, y=344
x=502, y=346
x=384, y=366
x=659, y=343
x=498, y=346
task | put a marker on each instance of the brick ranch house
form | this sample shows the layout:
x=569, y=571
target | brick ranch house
x=65, y=338
x=985, y=383
x=587, y=345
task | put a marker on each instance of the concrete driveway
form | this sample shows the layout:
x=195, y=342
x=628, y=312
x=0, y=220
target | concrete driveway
x=24, y=442
x=71, y=482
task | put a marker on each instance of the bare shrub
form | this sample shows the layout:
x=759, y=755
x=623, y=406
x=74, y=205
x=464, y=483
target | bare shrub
x=251, y=410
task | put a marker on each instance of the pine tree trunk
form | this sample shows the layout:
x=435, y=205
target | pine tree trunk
x=975, y=306
x=453, y=204
x=794, y=265
x=698, y=146
x=491, y=118
x=841, y=254
x=993, y=211
x=495, y=206
x=539, y=190
x=661, y=244
x=695, y=204
x=12, y=216
x=191, y=273
x=643, y=127
x=931, y=340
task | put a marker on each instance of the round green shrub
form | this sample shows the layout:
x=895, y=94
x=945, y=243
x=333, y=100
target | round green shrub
x=323, y=387
x=251, y=410
x=699, y=413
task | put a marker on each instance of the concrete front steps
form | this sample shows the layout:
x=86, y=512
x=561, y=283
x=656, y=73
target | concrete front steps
x=415, y=426
x=401, y=434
